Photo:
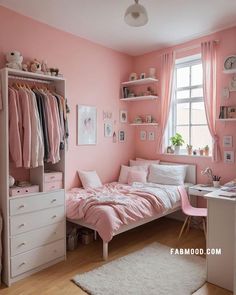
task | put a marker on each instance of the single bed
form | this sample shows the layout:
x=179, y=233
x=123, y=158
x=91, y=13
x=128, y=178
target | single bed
x=116, y=208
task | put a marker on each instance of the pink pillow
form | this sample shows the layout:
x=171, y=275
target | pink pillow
x=124, y=171
x=89, y=179
x=137, y=176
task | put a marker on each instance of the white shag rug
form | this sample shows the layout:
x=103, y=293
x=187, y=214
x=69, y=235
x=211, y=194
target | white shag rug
x=150, y=271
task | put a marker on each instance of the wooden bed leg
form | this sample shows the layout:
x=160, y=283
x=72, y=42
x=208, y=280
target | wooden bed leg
x=105, y=251
x=95, y=235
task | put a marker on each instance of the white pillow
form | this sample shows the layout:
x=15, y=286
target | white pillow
x=89, y=179
x=124, y=172
x=167, y=174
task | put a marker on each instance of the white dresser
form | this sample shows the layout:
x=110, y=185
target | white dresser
x=37, y=232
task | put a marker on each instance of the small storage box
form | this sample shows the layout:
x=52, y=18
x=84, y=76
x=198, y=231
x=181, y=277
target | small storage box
x=19, y=191
x=53, y=181
x=52, y=176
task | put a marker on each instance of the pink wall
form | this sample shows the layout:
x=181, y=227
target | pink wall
x=93, y=74
x=147, y=149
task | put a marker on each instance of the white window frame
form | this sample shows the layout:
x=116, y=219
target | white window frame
x=188, y=62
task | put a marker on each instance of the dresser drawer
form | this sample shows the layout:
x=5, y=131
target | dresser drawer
x=53, y=176
x=52, y=186
x=34, y=258
x=30, y=221
x=36, y=202
x=39, y=237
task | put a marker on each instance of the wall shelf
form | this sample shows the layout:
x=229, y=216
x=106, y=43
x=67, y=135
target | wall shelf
x=139, y=82
x=144, y=124
x=232, y=71
x=139, y=98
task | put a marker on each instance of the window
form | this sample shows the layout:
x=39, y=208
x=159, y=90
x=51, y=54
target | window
x=187, y=115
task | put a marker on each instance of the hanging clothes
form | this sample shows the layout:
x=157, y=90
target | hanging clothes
x=37, y=126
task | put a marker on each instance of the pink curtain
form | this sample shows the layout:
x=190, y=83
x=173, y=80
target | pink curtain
x=208, y=50
x=167, y=70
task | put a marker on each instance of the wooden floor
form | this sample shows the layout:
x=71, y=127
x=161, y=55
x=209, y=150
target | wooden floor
x=56, y=279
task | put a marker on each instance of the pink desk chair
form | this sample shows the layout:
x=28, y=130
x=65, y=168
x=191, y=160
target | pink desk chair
x=190, y=211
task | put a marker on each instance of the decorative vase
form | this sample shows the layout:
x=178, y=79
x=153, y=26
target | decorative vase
x=206, y=151
x=190, y=151
x=201, y=152
x=177, y=149
x=216, y=184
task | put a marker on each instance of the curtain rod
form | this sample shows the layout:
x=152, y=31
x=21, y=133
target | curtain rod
x=29, y=79
x=192, y=47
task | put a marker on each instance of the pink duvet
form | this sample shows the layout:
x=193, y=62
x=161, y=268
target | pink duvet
x=109, y=207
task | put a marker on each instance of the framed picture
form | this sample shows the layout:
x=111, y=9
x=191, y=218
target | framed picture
x=123, y=116
x=108, y=129
x=148, y=118
x=143, y=135
x=151, y=136
x=228, y=141
x=229, y=156
x=86, y=125
x=122, y=136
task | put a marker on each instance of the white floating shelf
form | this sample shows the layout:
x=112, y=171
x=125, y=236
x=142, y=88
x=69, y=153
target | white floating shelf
x=227, y=120
x=232, y=71
x=137, y=98
x=140, y=82
x=144, y=124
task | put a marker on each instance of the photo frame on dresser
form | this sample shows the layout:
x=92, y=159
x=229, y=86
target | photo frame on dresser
x=86, y=125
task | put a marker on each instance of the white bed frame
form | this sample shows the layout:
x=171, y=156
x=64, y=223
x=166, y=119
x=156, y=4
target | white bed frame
x=190, y=178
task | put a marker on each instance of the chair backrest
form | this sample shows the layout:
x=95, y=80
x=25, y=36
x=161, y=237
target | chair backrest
x=184, y=198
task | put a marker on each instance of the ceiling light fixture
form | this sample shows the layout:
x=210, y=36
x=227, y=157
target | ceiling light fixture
x=136, y=15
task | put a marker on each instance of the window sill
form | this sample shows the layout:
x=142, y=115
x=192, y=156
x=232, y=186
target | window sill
x=186, y=155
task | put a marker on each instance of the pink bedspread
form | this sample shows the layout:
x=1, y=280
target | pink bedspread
x=109, y=207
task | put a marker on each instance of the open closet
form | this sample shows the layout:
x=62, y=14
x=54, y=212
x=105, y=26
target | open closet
x=34, y=209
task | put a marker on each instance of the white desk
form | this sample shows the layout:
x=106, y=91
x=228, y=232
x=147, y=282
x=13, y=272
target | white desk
x=221, y=233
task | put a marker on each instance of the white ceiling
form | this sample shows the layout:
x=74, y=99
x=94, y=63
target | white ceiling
x=170, y=21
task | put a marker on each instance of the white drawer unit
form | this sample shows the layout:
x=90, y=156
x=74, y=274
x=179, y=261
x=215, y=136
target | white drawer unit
x=36, y=202
x=39, y=237
x=37, y=257
x=31, y=221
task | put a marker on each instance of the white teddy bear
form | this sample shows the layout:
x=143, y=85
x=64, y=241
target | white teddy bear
x=14, y=60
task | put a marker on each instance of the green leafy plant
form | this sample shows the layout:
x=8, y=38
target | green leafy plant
x=177, y=140
x=189, y=146
x=206, y=148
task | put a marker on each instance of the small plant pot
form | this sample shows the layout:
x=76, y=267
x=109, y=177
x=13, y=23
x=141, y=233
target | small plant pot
x=177, y=149
x=216, y=184
x=206, y=152
x=190, y=151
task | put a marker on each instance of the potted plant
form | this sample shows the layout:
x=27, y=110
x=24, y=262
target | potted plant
x=206, y=150
x=177, y=141
x=201, y=151
x=189, y=149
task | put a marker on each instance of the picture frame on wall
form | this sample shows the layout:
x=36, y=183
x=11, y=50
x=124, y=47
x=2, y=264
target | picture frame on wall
x=86, y=125
x=122, y=136
x=123, y=116
x=148, y=118
x=228, y=141
x=229, y=156
x=108, y=129
x=143, y=135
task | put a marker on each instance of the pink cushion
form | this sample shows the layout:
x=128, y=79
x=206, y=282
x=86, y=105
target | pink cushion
x=137, y=176
x=89, y=179
x=123, y=178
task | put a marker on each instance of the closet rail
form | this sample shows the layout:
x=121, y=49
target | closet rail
x=30, y=79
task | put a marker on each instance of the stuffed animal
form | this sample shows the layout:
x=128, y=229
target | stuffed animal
x=35, y=67
x=45, y=68
x=14, y=60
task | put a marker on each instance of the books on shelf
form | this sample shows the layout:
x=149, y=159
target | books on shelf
x=227, y=112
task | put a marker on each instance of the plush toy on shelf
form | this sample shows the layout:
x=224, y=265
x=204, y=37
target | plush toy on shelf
x=35, y=67
x=14, y=60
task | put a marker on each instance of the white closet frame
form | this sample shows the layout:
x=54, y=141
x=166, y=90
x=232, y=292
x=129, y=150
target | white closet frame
x=36, y=174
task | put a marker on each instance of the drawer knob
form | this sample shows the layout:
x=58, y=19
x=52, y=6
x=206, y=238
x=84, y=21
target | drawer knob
x=54, y=216
x=22, y=264
x=22, y=244
x=55, y=250
x=22, y=225
x=52, y=177
x=21, y=206
x=55, y=233
x=53, y=200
